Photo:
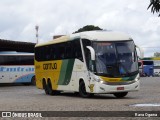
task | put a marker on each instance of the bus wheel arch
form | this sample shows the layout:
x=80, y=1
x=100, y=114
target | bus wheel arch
x=50, y=90
x=82, y=89
x=81, y=80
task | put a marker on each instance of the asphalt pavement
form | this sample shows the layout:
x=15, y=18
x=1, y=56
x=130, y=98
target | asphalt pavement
x=29, y=98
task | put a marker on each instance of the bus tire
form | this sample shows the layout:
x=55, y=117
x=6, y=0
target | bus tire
x=82, y=90
x=49, y=87
x=33, y=81
x=45, y=86
x=52, y=92
x=120, y=95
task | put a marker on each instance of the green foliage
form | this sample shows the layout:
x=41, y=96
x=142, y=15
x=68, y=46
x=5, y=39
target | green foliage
x=155, y=6
x=156, y=54
x=88, y=28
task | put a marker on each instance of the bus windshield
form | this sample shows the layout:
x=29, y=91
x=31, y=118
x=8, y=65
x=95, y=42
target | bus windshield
x=115, y=58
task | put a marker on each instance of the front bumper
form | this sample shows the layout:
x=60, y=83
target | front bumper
x=104, y=88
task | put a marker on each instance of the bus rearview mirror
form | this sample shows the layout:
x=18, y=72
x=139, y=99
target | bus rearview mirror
x=92, y=52
x=141, y=52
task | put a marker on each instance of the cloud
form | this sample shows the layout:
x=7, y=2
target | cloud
x=66, y=16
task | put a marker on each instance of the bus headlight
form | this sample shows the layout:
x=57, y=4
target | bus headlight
x=101, y=81
x=97, y=79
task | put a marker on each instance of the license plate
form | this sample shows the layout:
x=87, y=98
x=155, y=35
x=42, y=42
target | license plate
x=120, y=88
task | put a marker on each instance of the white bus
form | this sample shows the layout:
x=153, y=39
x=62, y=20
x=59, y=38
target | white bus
x=95, y=62
x=17, y=68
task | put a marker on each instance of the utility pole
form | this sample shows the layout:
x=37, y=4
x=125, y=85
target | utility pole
x=37, y=27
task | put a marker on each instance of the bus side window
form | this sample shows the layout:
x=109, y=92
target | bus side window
x=42, y=53
x=37, y=54
x=62, y=50
x=72, y=50
x=2, y=60
x=24, y=60
x=86, y=51
x=51, y=52
x=47, y=53
x=56, y=53
x=59, y=51
x=68, y=50
x=78, y=51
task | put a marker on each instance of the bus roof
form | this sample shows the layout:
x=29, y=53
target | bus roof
x=91, y=35
x=102, y=35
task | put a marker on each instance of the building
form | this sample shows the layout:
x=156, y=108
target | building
x=8, y=45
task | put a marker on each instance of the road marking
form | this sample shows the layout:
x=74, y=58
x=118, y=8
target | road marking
x=146, y=105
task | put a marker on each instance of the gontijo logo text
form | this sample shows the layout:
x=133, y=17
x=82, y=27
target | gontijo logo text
x=49, y=66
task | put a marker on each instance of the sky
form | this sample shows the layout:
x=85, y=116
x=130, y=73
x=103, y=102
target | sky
x=63, y=17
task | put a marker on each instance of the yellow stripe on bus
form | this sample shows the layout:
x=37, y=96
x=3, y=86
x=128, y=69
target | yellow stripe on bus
x=107, y=79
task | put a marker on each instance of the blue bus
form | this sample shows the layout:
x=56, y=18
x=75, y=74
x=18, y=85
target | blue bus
x=151, y=66
x=17, y=67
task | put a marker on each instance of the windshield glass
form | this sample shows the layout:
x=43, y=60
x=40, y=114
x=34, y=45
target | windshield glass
x=115, y=58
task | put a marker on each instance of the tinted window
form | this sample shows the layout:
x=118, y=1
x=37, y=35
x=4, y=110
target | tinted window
x=147, y=62
x=65, y=50
x=16, y=60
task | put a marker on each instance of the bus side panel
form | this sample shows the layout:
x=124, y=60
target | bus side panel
x=24, y=75
x=16, y=74
x=48, y=70
x=79, y=73
x=71, y=73
x=4, y=77
x=26, y=78
x=66, y=76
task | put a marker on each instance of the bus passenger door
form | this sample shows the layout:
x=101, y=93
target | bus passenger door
x=73, y=83
x=79, y=72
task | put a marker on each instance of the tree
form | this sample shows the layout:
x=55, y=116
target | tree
x=155, y=6
x=156, y=54
x=88, y=28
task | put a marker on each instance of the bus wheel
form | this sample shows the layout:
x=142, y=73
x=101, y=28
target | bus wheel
x=33, y=82
x=82, y=90
x=52, y=92
x=45, y=87
x=120, y=95
x=49, y=87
